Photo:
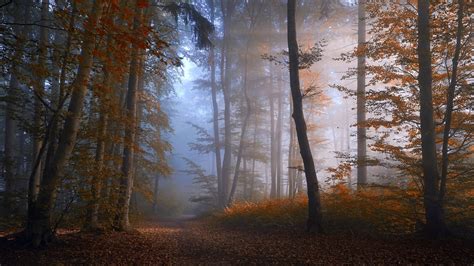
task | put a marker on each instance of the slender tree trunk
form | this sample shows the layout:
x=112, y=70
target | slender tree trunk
x=435, y=225
x=314, y=202
x=155, y=194
x=273, y=189
x=226, y=88
x=126, y=180
x=252, y=178
x=41, y=229
x=291, y=159
x=361, y=128
x=97, y=178
x=39, y=88
x=450, y=101
x=279, y=162
x=244, y=129
x=246, y=179
x=215, y=113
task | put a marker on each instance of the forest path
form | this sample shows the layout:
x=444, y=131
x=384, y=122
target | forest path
x=185, y=241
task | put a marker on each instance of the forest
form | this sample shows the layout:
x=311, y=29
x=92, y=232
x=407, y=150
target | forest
x=236, y=132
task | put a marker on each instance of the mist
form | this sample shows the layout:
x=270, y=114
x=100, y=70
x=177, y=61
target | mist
x=226, y=131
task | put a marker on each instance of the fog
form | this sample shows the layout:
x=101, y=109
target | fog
x=330, y=111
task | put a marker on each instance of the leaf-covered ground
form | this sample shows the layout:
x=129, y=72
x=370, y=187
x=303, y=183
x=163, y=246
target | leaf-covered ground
x=198, y=242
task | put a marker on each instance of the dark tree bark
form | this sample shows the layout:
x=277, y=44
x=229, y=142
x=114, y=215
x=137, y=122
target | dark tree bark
x=40, y=231
x=361, y=128
x=314, y=201
x=435, y=224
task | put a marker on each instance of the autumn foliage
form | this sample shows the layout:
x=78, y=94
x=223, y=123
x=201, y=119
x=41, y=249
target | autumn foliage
x=373, y=210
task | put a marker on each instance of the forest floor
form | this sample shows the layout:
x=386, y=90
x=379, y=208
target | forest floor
x=187, y=241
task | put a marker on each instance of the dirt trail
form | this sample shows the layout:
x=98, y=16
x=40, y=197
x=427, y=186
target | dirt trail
x=187, y=241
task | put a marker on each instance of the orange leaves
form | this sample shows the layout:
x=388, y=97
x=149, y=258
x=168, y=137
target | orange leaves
x=265, y=214
x=378, y=209
x=142, y=3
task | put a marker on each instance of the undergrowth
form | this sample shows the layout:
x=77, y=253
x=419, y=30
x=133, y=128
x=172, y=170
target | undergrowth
x=372, y=210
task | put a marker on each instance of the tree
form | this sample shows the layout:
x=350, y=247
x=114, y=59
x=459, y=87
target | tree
x=126, y=180
x=314, y=201
x=227, y=11
x=435, y=225
x=215, y=112
x=361, y=128
x=450, y=101
x=40, y=231
x=253, y=10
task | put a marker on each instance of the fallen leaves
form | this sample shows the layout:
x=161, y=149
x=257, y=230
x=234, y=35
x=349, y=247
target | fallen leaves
x=199, y=242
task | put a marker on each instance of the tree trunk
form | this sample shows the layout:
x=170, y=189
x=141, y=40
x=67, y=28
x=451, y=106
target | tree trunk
x=59, y=98
x=314, y=202
x=39, y=89
x=273, y=190
x=243, y=130
x=226, y=88
x=435, y=225
x=450, y=101
x=155, y=195
x=278, y=159
x=215, y=113
x=291, y=159
x=126, y=180
x=246, y=180
x=41, y=229
x=361, y=128
x=97, y=179
x=252, y=178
